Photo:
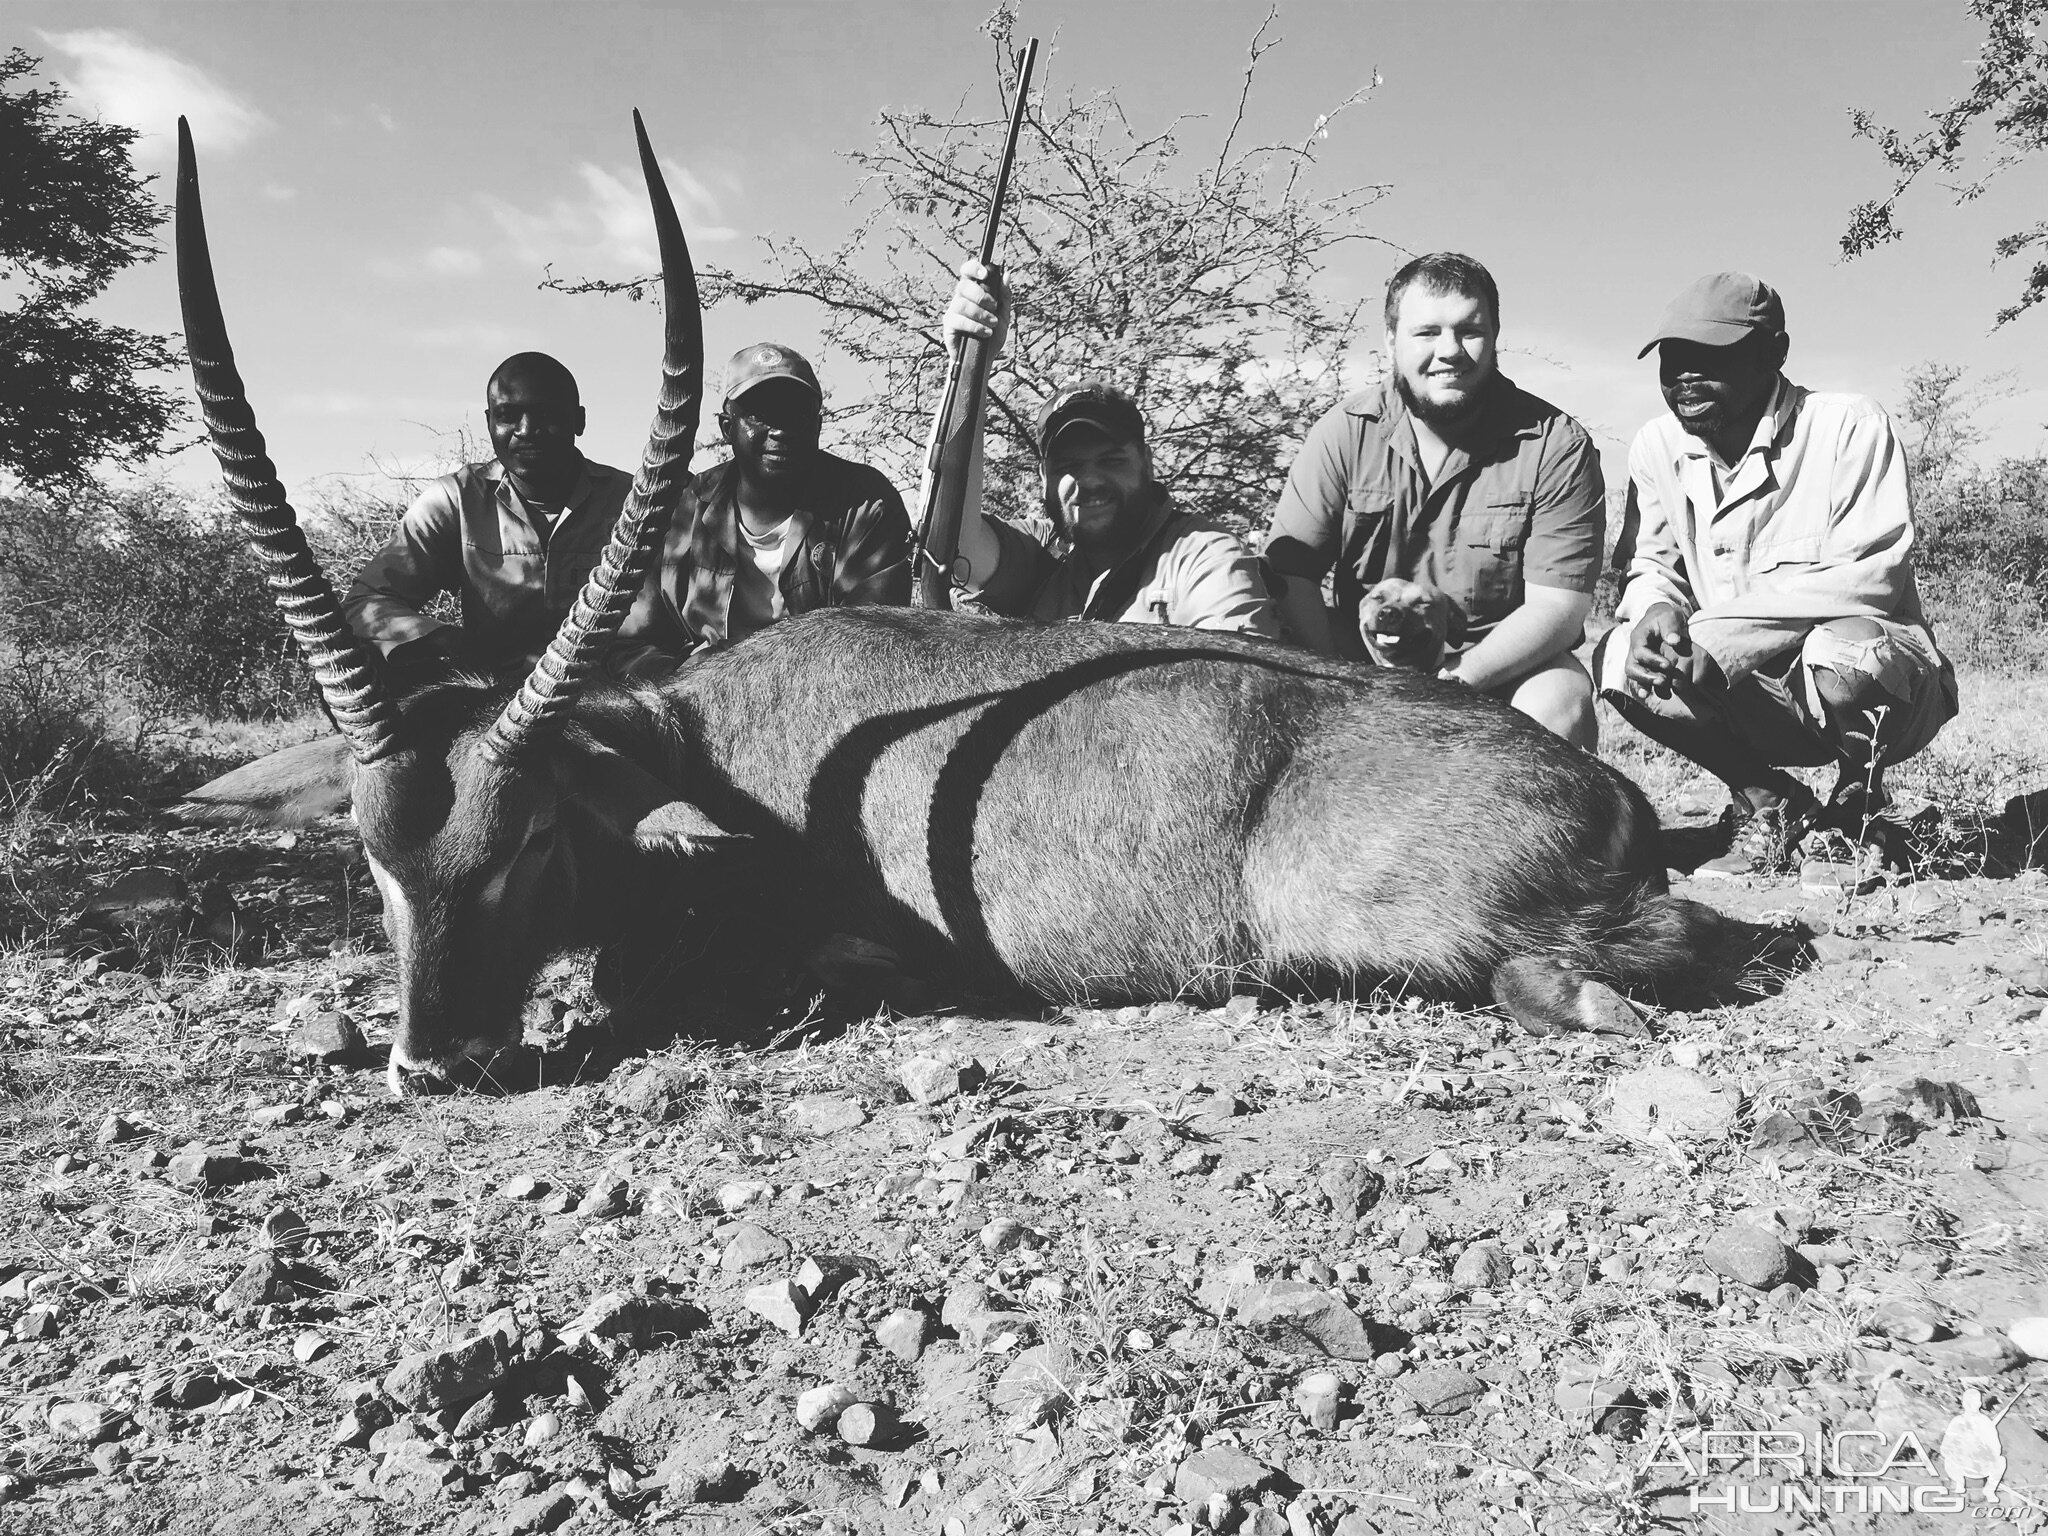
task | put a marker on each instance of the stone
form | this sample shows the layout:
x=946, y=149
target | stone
x=1438, y=1390
x=82, y=1423
x=284, y=1231
x=1483, y=1267
x=537, y=1512
x=779, y=1303
x=749, y=1245
x=1751, y=1256
x=867, y=1424
x=109, y=1459
x=41, y=1321
x=443, y=1377
x=741, y=1193
x=1038, y=1381
x=1002, y=1234
x=1352, y=1187
x=2029, y=1335
x=1413, y=1242
x=1910, y=1322
x=820, y=1407
x=824, y=1114
x=906, y=1333
x=692, y=1482
x=310, y=1345
x=1305, y=1319
x=659, y=1091
x=1987, y=1354
x=264, y=1279
x=540, y=1429
x=115, y=1128
x=1682, y=1104
x=326, y=1037
x=215, y=1170
x=929, y=1080
x=479, y=1418
x=522, y=1186
x=1223, y=1472
x=1318, y=1396
x=607, y=1197
x=638, y=1321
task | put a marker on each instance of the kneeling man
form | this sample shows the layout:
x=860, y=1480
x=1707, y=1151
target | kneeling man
x=1134, y=556
x=1769, y=616
x=1449, y=476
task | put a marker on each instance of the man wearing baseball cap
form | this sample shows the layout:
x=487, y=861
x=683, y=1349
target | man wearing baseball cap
x=1133, y=556
x=1768, y=616
x=780, y=528
x=513, y=539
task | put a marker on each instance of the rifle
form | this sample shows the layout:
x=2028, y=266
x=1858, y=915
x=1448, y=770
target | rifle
x=966, y=386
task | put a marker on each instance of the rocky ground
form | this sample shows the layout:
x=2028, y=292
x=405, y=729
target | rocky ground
x=1343, y=1268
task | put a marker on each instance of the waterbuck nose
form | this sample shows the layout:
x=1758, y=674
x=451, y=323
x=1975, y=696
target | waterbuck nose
x=407, y=1081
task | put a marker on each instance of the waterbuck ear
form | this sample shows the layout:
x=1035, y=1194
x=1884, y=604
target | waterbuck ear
x=631, y=804
x=679, y=827
x=285, y=789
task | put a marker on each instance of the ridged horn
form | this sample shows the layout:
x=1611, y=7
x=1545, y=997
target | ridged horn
x=558, y=678
x=361, y=707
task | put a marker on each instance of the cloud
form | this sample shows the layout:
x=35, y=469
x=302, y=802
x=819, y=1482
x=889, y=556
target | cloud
x=436, y=261
x=127, y=81
x=610, y=222
x=278, y=194
x=479, y=337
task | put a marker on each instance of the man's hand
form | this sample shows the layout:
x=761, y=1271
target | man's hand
x=1661, y=654
x=980, y=307
x=446, y=649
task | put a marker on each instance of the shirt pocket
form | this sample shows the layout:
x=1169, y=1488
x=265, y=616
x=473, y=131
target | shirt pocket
x=1491, y=534
x=1783, y=553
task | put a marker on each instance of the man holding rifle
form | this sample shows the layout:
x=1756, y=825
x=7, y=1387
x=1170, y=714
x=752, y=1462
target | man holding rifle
x=1134, y=557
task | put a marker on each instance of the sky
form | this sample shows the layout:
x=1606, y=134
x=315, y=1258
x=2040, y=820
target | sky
x=386, y=184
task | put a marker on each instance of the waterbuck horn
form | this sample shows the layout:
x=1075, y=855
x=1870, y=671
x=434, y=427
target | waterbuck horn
x=361, y=707
x=551, y=689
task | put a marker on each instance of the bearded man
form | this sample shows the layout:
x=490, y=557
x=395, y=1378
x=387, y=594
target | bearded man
x=1449, y=476
x=1133, y=556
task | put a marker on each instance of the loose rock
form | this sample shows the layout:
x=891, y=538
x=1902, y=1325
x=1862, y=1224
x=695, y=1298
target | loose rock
x=439, y=1378
x=749, y=1245
x=929, y=1080
x=1318, y=1395
x=820, y=1407
x=1482, y=1267
x=1750, y=1256
x=1682, y=1104
x=906, y=1333
x=1223, y=1472
x=82, y=1423
x=1438, y=1390
x=326, y=1037
x=825, y=1114
x=779, y=1303
x=1352, y=1187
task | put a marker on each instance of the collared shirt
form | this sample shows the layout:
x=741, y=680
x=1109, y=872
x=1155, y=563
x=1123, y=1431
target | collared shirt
x=1813, y=522
x=1522, y=500
x=1184, y=570
x=848, y=543
x=515, y=577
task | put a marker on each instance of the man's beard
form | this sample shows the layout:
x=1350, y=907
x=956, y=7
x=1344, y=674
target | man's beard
x=1435, y=413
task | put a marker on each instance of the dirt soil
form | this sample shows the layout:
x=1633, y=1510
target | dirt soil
x=1344, y=1267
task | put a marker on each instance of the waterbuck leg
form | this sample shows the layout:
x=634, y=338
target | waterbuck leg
x=1546, y=996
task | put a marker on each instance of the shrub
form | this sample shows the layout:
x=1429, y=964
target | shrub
x=1983, y=563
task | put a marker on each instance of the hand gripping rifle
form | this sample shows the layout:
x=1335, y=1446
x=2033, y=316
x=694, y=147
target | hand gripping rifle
x=966, y=387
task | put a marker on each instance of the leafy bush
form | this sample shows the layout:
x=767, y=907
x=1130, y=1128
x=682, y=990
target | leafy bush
x=1983, y=563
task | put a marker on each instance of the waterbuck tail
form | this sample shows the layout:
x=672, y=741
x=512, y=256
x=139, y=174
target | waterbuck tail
x=551, y=689
x=362, y=709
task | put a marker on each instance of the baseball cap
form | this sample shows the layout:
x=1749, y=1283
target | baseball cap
x=1091, y=403
x=1719, y=310
x=763, y=361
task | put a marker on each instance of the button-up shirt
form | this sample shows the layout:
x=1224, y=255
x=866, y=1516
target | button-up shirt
x=1813, y=522
x=1521, y=500
x=1183, y=569
x=514, y=576
x=848, y=543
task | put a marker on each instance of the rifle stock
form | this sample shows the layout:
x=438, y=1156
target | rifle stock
x=966, y=397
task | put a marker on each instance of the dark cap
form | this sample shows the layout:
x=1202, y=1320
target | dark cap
x=763, y=361
x=1093, y=404
x=1719, y=310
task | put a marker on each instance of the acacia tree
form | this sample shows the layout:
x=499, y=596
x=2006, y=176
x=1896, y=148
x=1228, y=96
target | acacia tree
x=2010, y=92
x=1187, y=277
x=73, y=214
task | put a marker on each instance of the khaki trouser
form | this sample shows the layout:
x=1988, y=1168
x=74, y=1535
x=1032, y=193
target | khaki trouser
x=1777, y=712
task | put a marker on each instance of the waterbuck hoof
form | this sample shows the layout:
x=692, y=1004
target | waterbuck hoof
x=1548, y=997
